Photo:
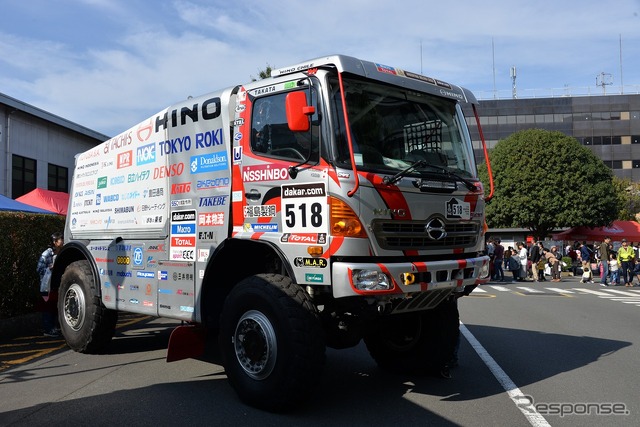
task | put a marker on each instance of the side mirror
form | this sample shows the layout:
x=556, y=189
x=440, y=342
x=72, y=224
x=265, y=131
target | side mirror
x=298, y=111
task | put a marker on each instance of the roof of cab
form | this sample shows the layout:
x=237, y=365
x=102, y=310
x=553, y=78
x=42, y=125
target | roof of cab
x=383, y=73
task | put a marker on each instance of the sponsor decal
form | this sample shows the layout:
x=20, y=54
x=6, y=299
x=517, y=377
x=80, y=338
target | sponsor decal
x=118, y=142
x=183, y=235
x=125, y=159
x=211, y=219
x=146, y=274
x=264, y=173
x=259, y=211
x=144, y=130
x=189, y=241
x=183, y=216
x=175, y=169
x=182, y=276
x=237, y=154
x=304, y=208
x=134, y=301
x=123, y=260
x=203, y=255
x=304, y=238
x=154, y=192
x=208, y=184
x=308, y=262
x=181, y=203
x=182, y=187
x=314, y=278
x=210, y=162
x=186, y=308
x=213, y=201
x=138, y=257
x=386, y=69
x=102, y=182
x=175, y=145
x=136, y=177
x=457, y=209
x=209, y=139
x=207, y=235
x=208, y=110
x=264, y=228
x=146, y=154
x=183, y=228
x=163, y=275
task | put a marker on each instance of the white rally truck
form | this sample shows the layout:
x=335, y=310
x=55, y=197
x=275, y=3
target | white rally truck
x=334, y=202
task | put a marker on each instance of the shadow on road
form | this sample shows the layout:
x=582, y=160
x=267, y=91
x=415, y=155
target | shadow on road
x=353, y=391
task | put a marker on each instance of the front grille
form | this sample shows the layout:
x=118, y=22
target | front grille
x=408, y=235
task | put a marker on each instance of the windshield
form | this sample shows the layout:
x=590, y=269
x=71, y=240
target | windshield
x=393, y=128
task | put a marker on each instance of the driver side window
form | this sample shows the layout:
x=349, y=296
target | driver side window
x=270, y=134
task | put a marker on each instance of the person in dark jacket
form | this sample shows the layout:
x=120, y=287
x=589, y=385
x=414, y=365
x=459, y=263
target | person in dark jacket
x=534, y=257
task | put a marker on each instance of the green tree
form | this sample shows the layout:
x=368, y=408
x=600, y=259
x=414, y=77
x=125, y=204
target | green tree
x=263, y=74
x=546, y=180
x=629, y=194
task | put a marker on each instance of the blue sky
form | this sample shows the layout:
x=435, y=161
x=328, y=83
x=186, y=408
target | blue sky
x=109, y=64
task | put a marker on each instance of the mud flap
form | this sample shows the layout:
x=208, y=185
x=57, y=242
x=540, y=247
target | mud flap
x=186, y=341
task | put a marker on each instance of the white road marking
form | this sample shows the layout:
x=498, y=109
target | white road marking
x=523, y=403
x=501, y=288
x=625, y=293
x=590, y=291
x=530, y=290
x=479, y=290
x=560, y=290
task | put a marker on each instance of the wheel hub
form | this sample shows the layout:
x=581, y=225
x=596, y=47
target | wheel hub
x=255, y=345
x=74, y=307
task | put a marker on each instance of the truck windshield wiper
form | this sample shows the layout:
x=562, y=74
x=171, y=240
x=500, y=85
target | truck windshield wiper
x=395, y=178
x=423, y=164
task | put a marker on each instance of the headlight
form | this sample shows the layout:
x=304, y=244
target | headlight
x=371, y=280
x=484, y=271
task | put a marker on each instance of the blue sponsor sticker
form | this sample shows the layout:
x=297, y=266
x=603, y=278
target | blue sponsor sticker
x=211, y=162
x=269, y=228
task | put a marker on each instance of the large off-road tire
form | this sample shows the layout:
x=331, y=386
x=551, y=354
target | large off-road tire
x=415, y=343
x=271, y=342
x=87, y=325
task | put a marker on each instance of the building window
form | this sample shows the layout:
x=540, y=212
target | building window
x=58, y=178
x=23, y=177
x=616, y=164
x=635, y=139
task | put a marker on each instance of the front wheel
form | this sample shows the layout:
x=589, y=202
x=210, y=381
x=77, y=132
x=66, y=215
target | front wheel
x=87, y=325
x=271, y=342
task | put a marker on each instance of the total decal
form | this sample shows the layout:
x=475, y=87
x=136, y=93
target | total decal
x=183, y=236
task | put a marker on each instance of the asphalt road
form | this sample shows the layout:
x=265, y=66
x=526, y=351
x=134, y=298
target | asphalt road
x=529, y=352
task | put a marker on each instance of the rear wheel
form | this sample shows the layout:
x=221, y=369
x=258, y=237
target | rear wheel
x=415, y=343
x=85, y=322
x=271, y=342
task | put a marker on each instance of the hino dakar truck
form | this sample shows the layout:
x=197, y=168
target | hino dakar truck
x=334, y=202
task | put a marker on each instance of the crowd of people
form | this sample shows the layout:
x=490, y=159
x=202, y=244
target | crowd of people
x=533, y=261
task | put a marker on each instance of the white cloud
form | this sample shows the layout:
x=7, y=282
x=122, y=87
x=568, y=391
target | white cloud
x=126, y=60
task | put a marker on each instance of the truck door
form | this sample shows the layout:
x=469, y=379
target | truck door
x=289, y=209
